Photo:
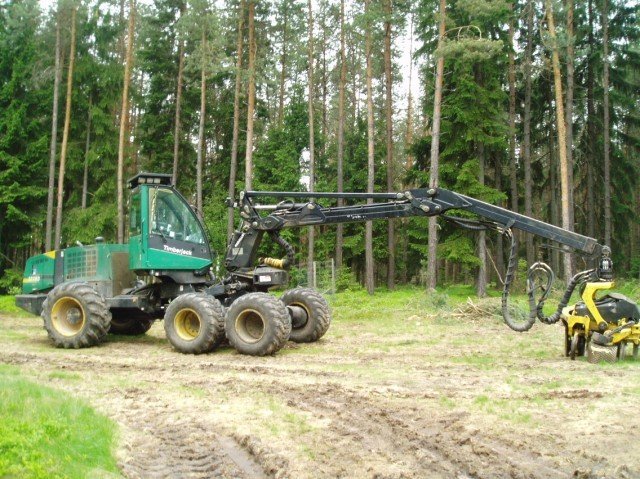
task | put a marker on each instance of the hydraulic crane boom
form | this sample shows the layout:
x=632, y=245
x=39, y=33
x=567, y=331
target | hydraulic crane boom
x=416, y=202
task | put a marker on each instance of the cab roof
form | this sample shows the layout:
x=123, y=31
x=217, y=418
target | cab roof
x=149, y=178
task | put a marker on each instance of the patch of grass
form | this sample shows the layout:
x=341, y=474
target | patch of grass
x=478, y=360
x=64, y=375
x=8, y=306
x=512, y=410
x=45, y=433
x=447, y=402
x=194, y=391
x=281, y=419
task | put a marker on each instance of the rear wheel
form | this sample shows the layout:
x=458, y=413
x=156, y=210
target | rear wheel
x=194, y=323
x=311, y=318
x=75, y=316
x=257, y=324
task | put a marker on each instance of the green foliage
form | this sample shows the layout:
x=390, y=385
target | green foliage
x=346, y=280
x=474, y=133
x=46, y=433
x=11, y=281
x=8, y=306
x=23, y=137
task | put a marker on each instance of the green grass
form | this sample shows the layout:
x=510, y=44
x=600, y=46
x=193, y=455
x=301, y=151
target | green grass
x=8, y=306
x=64, y=375
x=45, y=433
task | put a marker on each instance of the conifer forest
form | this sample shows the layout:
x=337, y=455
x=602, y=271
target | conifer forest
x=531, y=105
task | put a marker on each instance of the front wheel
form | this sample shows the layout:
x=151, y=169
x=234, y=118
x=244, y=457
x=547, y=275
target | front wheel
x=75, y=316
x=194, y=323
x=257, y=324
x=310, y=313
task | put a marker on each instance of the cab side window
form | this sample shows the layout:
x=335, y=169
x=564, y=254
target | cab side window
x=170, y=217
x=135, y=217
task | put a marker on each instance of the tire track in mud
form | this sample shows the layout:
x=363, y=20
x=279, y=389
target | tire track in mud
x=171, y=440
x=166, y=440
x=365, y=428
x=161, y=438
x=441, y=446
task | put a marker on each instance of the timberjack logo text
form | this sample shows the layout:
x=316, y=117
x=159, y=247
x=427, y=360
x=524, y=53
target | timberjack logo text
x=171, y=249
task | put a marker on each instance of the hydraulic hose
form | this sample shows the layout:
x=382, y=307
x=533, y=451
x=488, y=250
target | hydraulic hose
x=520, y=326
x=535, y=309
x=290, y=252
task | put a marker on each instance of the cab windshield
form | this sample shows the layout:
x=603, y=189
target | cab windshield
x=171, y=217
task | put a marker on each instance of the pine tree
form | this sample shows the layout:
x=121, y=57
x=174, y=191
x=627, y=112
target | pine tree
x=435, y=149
x=54, y=134
x=177, y=125
x=124, y=120
x=391, y=243
x=65, y=132
x=560, y=123
x=340, y=139
x=248, y=166
x=236, y=117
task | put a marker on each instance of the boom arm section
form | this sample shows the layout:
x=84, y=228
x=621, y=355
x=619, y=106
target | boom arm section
x=243, y=248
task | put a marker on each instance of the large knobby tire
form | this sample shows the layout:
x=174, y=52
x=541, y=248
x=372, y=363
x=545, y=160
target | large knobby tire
x=316, y=311
x=194, y=323
x=257, y=324
x=129, y=325
x=75, y=316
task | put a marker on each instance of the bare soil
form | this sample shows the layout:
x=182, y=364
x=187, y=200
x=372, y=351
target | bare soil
x=424, y=396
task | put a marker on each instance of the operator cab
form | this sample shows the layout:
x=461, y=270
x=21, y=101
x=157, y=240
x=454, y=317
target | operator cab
x=164, y=231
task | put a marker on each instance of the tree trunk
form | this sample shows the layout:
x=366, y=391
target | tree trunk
x=481, y=281
x=356, y=70
x=236, y=120
x=562, y=145
x=85, y=176
x=605, y=124
x=65, y=132
x=512, y=121
x=203, y=110
x=248, y=159
x=553, y=187
x=54, y=137
x=391, y=238
x=435, y=152
x=368, y=241
x=341, y=113
x=283, y=61
x=526, y=142
x=123, y=120
x=499, y=238
x=312, y=172
x=591, y=131
x=569, y=124
x=176, y=128
x=409, y=160
x=323, y=27
x=409, y=133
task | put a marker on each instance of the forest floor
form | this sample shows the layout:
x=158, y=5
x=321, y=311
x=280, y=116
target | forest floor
x=400, y=387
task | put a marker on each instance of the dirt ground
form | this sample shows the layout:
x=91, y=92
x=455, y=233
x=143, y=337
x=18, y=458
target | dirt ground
x=427, y=395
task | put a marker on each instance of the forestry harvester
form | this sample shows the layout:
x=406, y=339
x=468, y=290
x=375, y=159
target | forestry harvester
x=165, y=272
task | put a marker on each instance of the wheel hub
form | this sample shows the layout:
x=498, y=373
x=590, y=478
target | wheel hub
x=299, y=315
x=250, y=326
x=67, y=316
x=187, y=324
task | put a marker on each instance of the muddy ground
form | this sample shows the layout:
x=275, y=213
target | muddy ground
x=400, y=394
